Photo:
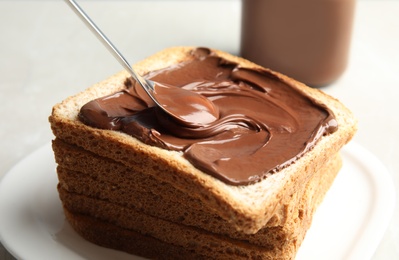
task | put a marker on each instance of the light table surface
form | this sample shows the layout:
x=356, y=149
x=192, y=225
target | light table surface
x=46, y=54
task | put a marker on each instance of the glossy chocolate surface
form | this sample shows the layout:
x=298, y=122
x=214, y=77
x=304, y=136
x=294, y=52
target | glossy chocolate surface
x=264, y=124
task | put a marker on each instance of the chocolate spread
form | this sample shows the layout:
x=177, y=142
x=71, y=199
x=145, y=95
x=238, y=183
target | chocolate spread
x=264, y=124
x=184, y=105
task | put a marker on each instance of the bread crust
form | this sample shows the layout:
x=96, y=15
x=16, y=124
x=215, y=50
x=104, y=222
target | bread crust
x=93, y=217
x=248, y=208
x=81, y=172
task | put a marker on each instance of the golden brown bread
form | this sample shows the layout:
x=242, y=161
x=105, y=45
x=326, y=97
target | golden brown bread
x=81, y=172
x=107, y=235
x=91, y=215
x=247, y=208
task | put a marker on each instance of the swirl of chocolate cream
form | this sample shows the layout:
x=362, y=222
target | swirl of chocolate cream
x=264, y=124
x=186, y=107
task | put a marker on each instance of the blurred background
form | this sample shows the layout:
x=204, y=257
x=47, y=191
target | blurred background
x=47, y=54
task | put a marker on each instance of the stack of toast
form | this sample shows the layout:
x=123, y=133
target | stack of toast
x=121, y=193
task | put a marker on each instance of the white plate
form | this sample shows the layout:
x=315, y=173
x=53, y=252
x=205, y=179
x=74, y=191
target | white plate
x=349, y=224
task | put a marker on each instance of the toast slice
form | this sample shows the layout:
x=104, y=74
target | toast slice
x=248, y=208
